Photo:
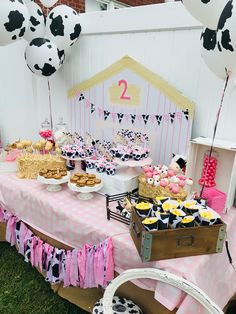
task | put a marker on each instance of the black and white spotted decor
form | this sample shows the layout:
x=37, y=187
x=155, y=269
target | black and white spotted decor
x=37, y=20
x=219, y=46
x=42, y=57
x=63, y=26
x=14, y=20
x=120, y=305
x=206, y=11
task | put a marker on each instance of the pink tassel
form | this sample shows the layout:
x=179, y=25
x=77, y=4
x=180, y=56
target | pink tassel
x=109, y=275
x=10, y=232
x=67, y=274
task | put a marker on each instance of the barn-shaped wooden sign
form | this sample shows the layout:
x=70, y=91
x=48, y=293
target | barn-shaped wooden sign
x=127, y=95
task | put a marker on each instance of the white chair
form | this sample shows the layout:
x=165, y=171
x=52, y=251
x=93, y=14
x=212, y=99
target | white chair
x=152, y=273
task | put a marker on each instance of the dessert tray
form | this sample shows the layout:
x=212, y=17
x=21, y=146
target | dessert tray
x=54, y=185
x=85, y=192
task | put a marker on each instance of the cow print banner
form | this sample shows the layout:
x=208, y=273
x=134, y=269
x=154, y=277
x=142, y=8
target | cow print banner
x=171, y=116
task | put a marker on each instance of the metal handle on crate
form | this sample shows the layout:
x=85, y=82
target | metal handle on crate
x=185, y=241
x=136, y=230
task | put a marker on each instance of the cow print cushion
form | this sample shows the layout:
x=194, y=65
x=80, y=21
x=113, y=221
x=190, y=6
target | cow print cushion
x=120, y=305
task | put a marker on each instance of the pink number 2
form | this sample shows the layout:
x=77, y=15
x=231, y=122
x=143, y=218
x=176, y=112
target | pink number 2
x=123, y=96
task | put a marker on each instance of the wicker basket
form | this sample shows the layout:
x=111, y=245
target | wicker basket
x=151, y=191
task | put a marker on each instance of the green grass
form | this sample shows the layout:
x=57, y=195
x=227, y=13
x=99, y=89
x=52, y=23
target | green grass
x=24, y=291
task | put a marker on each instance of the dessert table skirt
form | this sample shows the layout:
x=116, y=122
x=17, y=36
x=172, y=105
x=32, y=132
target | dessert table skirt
x=65, y=218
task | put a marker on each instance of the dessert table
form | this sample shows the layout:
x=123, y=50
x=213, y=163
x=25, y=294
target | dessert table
x=63, y=217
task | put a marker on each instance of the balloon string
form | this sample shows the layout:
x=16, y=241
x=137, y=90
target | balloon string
x=50, y=104
x=214, y=133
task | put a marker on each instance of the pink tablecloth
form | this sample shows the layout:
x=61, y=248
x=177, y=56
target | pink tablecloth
x=65, y=218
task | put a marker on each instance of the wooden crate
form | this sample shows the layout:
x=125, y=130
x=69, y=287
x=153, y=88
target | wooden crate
x=226, y=167
x=180, y=242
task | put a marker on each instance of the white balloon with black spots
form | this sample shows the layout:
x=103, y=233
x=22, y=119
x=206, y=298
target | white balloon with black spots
x=206, y=11
x=63, y=26
x=37, y=21
x=119, y=305
x=219, y=47
x=43, y=57
x=14, y=20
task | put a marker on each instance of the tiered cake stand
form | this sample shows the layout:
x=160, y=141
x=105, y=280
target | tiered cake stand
x=54, y=185
x=132, y=164
x=85, y=192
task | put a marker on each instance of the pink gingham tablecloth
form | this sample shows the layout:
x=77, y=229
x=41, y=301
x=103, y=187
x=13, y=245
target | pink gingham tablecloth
x=64, y=217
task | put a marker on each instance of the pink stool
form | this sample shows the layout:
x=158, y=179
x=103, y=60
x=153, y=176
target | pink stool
x=216, y=199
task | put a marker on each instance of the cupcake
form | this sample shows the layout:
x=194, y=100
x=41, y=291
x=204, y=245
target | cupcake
x=170, y=204
x=90, y=164
x=208, y=217
x=125, y=156
x=176, y=216
x=195, y=211
x=90, y=151
x=143, y=209
x=82, y=153
x=161, y=199
x=187, y=222
x=100, y=166
x=110, y=169
x=189, y=204
x=163, y=220
x=150, y=224
x=136, y=155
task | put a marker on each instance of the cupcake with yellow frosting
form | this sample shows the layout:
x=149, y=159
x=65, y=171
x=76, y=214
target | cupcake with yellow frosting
x=150, y=224
x=176, y=215
x=189, y=204
x=208, y=217
x=187, y=221
x=143, y=209
x=169, y=205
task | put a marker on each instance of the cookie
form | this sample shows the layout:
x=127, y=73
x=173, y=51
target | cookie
x=90, y=183
x=97, y=181
x=91, y=176
x=57, y=176
x=80, y=184
x=73, y=180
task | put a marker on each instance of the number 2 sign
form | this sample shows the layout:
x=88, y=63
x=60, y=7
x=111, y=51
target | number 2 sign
x=125, y=85
x=124, y=93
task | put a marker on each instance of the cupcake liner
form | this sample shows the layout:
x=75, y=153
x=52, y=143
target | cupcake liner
x=150, y=224
x=188, y=224
x=143, y=212
x=175, y=219
x=163, y=220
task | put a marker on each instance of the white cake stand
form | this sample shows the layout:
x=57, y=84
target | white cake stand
x=77, y=163
x=131, y=164
x=54, y=185
x=85, y=192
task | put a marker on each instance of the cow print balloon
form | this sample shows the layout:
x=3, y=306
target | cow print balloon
x=119, y=305
x=62, y=26
x=36, y=26
x=219, y=47
x=43, y=57
x=14, y=20
x=206, y=11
